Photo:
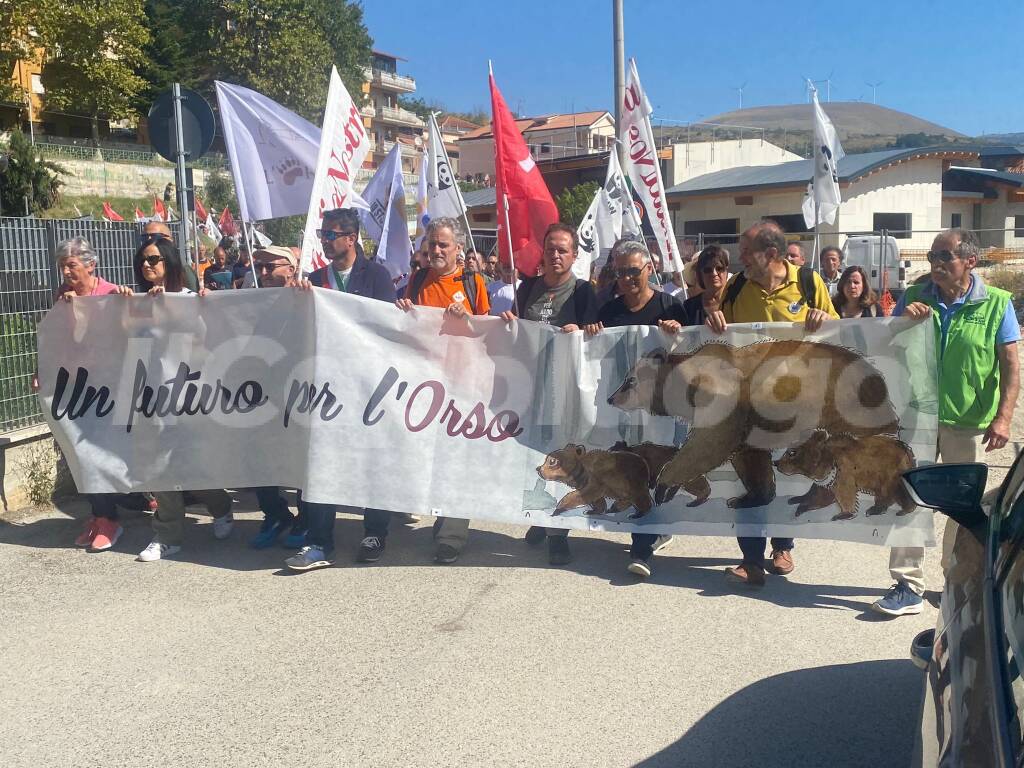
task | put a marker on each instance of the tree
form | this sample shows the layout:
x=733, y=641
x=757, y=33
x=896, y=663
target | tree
x=93, y=48
x=169, y=55
x=573, y=202
x=218, y=192
x=29, y=177
x=281, y=48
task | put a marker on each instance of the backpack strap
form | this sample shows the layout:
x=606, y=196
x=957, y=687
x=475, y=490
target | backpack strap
x=732, y=291
x=418, y=279
x=805, y=280
x=469, y=285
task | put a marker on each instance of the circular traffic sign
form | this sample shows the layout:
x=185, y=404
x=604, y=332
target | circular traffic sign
x=197, y=125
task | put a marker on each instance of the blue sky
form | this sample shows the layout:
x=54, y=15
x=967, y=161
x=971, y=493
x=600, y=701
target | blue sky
x=956, y=64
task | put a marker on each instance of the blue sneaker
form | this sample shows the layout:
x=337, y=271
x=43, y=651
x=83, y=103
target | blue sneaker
x=296, y=539
x=269, y=533
x=900, y=600
x=308, y=558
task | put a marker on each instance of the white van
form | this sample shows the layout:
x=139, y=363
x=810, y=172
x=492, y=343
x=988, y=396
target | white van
x=877, y=255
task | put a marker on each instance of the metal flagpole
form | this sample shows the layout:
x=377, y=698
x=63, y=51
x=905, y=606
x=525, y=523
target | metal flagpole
x=511, y=259
x=814, y=256
x=179, y=172
x=246, y=233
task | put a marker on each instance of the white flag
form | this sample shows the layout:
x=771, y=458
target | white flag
x=644, y=169
x=212, y=230
x=823, y=191
x=422, y=217
x=273, y=153
x=342, y=149
x=261, y=239
x=443, y=195
x=385, y=220
x=611, y=216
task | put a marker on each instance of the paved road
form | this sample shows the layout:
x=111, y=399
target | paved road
x=219, y=658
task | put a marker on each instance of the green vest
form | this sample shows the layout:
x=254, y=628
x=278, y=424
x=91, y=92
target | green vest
x=969, y=361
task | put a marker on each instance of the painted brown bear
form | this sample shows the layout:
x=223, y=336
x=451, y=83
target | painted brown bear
x=656, y=457
x=743, y=402
x=842, y=465
x=597, y=476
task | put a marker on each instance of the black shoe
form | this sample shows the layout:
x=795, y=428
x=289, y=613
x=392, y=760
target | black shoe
x=436, y=528
x=640, y=567
x=370, y=550
x=446, y=554
x=558, y=550
x=535, y=535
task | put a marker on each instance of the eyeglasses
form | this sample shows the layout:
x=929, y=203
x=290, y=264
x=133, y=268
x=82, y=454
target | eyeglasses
x=152, y=260
x=330, y=235
x=270, y=266
x=630, y=272
x=944, y=256
x=713, y=270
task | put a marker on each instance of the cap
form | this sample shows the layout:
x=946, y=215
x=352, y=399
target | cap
x=278, y=252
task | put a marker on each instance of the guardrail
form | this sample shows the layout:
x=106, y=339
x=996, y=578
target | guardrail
x=105, y=154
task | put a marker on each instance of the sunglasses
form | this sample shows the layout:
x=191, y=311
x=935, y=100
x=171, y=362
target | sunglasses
x=713, y=270
x=630, y=272
x=944, y=256
x=270, y=266
x=330, y=235
x=152, y=260
x=153, y=237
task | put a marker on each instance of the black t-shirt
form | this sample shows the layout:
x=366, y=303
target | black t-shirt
x=578, y=308
x=661, y=306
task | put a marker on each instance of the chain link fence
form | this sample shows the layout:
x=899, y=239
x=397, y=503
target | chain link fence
x=28, y=282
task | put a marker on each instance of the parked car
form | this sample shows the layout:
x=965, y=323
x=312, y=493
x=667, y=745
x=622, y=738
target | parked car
x=974, y=693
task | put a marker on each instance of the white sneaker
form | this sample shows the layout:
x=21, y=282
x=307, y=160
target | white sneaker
x=222, y=526
x=156, y=551
x=662, y=542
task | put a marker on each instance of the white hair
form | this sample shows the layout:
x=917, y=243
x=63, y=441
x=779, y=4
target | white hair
x=76, y=247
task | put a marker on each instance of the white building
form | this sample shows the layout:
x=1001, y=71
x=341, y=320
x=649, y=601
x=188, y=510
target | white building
x=912, y=193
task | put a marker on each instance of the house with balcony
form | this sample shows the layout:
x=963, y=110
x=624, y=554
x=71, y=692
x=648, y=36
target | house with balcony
x=549, y=137
x=388, y=123
x=452, y=129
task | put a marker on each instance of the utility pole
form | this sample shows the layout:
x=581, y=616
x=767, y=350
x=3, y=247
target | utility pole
x=619, y=56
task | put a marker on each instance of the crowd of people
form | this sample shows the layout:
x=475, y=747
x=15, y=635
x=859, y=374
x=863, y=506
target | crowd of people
x=976, y=338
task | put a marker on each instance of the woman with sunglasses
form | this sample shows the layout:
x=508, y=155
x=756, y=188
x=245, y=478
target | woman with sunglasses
x=711, y=271
x=639, y=304
x=854, y=297
x=159, y=269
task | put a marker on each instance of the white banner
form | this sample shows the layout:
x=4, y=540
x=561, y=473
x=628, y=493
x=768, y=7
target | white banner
x=358, y=403
x=444, y=198
x=821, y=203
x=611, y=216
x=343, y=148
x=273, y=153
x=384, y=220
x=643, y=167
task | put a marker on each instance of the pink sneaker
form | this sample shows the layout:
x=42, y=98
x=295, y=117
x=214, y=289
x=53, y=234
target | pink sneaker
x=88, y=533
x=107, y=534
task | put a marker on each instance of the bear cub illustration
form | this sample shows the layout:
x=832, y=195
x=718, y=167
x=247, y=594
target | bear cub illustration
x=656, y=457
x=596, y=476
x=872, y=464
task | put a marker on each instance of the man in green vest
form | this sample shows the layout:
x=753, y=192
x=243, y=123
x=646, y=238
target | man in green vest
x=976, y=348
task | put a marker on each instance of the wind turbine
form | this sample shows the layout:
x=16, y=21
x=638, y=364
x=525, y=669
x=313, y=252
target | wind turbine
x=874, y=87
x=740, y=91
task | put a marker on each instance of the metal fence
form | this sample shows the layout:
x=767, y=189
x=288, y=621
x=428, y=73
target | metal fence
x=28, y=282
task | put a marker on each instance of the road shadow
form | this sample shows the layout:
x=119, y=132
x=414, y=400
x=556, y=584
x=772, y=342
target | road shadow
x=864, y=714
x=411, y=546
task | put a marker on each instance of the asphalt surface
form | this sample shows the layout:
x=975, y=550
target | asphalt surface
x=219, y=657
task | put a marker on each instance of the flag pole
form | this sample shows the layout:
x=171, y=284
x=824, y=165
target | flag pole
x=247, y=234
x=511, y=258
x=814, y=256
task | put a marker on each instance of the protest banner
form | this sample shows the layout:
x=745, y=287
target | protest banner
x=764, y=429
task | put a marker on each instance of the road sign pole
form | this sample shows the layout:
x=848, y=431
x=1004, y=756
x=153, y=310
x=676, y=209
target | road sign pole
x=179, y=176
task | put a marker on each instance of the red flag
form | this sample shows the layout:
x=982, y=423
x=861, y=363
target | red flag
x=139, y=215
x=226, y=223
x=200, y=210
x=159, y=212
x=110, y=214
x=530, y=207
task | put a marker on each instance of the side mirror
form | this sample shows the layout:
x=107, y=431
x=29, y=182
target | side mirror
x=953, y=489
